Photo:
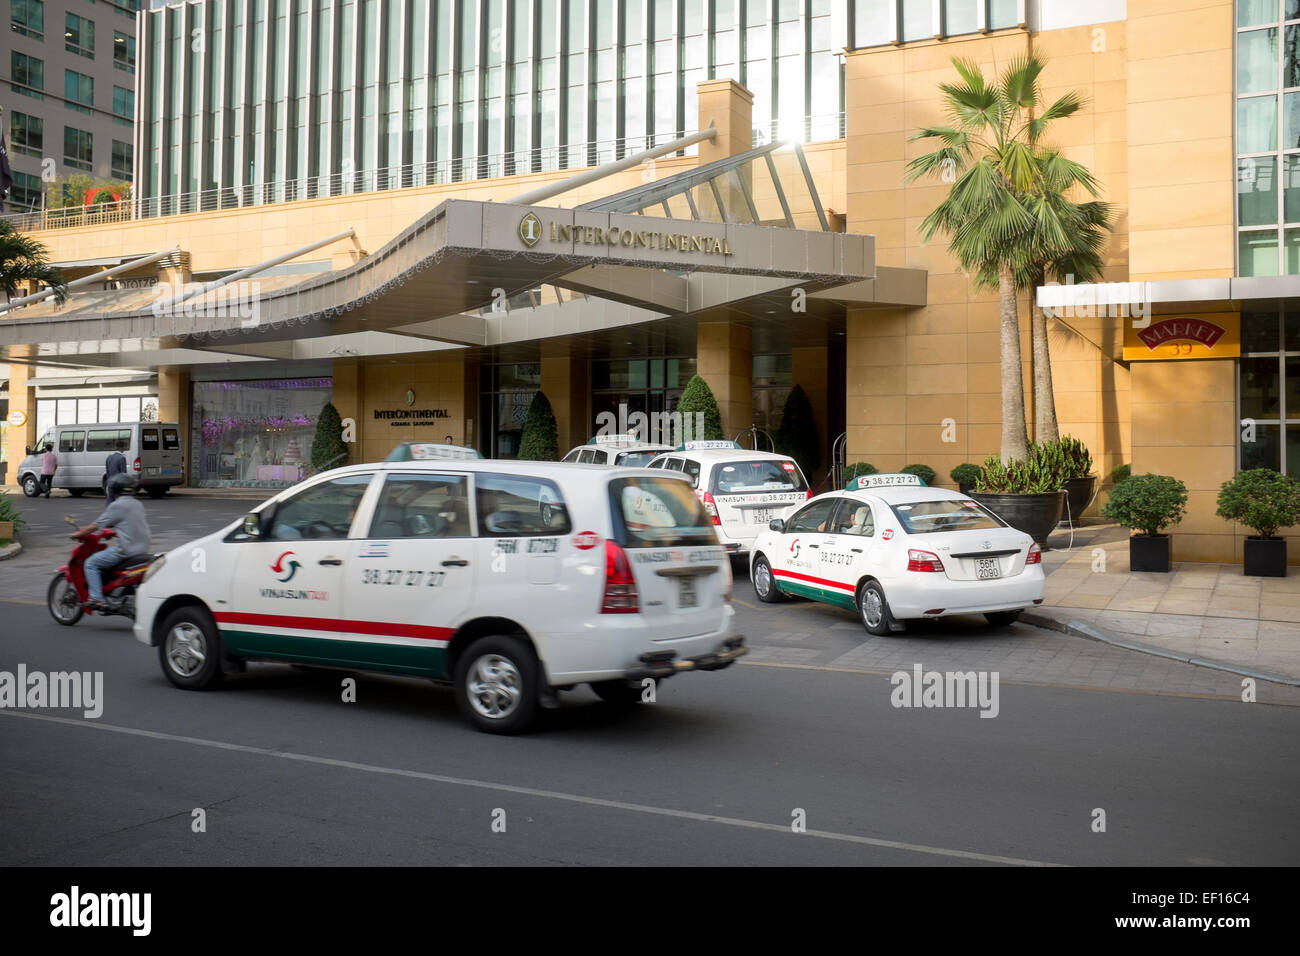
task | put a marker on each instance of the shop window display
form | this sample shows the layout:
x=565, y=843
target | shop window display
x=257, y=433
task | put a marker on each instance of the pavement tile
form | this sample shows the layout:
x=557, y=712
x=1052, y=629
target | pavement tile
x=1134, y=603
x=1174, y=624
x=1279, y=612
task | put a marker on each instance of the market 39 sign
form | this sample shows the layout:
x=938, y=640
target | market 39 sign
x=1196, y=336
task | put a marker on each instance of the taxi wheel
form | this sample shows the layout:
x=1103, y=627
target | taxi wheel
x=496, y=684
x=190, y=650
x=1002, y=618
x=874, y=609
x=765, y=583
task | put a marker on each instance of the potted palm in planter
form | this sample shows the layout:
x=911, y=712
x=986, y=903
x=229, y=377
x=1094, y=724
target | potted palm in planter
x=1025, y=494
x=1266, y=501
x=964, y=477
x=1147, y=504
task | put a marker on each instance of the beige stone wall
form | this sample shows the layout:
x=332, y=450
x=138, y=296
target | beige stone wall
x=724, y=358
x=564, y=381
x=438, y=382
x=1180, y=116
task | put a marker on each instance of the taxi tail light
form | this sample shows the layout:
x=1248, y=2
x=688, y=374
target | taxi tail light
x=136, y=466
x=620, y=587
x=923, y=561
x=711, y=507
x=1035, y=555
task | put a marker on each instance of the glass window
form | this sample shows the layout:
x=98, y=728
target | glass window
x=855, y=518
x=28, y=18
x=1261, y=388
x=872, y=22
x=918, y=21
x=28, y=74
x=1259, y=332
x=87, y=411
x=122, y=157
x=515, y=506
x=106, y=439
x=948, y=514
x=1003, y=14
x=26, y=192
x=78, y=148
x=1257, y=191
x=960, y=16
x=80, y=89
x=71, y=441
x=813, y=517
x=1263, y=452
x=124, y=104
x=658, y=513
x=1257, y=124
x=27, y=133
x=1257, y=61
x=79, y=35
x=171, y=438
x=322, y=511
x=148, y=439
x=123, y=51
x=108, y=410
x=1257, y=253
x=257, y=431
x=1252, y=13
x=422, y=506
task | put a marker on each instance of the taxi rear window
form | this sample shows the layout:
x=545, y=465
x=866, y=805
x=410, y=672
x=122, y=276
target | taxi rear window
x=635, y=459
x=652, y=512
x=948, y=514
x=747, y=477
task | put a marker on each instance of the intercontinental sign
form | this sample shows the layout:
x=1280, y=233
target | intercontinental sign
x=532, y=229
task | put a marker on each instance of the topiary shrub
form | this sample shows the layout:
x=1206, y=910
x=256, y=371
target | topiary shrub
x=965, y=475
x=698, y=397
x=1260, y=498
x=540, y=440
x=1120, y=473
x=924, y=472
x=859, y=468
x=1147, y=503
x=328, y=450
x=797, y=436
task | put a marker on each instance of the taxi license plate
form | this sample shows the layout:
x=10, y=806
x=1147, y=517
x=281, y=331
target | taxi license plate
x=762, y=515
x=686, y=597
x=987, y=568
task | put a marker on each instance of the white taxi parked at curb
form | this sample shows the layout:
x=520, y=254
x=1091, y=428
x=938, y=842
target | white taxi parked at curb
x=741, y=490
x=624, y=451
x=893, y=549
x=510, y=580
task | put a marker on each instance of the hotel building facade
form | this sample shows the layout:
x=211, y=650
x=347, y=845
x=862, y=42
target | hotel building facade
x=370, y=194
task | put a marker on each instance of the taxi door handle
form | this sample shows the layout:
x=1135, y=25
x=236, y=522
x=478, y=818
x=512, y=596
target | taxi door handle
x=456, y=563
x=856, y=550
x=814, y=545
x=330, y=561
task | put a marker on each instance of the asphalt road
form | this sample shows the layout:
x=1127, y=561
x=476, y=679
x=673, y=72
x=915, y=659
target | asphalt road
x=716, y=771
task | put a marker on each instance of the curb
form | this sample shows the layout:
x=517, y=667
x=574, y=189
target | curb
x=1093, y=633
x=11, y=550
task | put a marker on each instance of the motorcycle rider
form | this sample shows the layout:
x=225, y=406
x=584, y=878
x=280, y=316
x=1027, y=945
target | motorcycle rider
x=125, y=515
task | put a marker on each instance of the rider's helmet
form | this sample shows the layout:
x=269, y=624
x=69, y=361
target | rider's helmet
x=120, y=485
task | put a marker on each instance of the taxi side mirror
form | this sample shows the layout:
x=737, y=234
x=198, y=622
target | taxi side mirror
x=253, y=525
x=777, y=524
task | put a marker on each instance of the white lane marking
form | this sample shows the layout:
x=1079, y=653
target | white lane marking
x=534, y=792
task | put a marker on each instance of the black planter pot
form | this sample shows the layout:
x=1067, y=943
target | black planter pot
x=1078, y=495
x=1148, y=553
x=964, y=489
x=1265, y=557
x=1035, y=515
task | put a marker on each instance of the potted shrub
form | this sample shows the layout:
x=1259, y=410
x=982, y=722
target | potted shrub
x=964, y=477
x=1080, y=482
x=1266, y=501
x=858, y=468
x=924, y=472
x=11, y=520
x=1120, y=473
x=1025, y=494
x=1147, y=504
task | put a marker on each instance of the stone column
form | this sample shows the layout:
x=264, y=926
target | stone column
x=724, y=358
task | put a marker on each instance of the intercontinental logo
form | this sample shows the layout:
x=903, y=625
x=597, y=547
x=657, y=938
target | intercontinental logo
x=531, y=230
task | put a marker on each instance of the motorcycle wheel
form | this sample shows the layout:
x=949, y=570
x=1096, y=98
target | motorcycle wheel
x=62, y=601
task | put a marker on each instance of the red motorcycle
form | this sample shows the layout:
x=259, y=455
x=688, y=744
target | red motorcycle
x=68, y=591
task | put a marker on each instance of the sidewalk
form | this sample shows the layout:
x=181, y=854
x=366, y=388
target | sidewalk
x=258, y=494
x=1211, y=614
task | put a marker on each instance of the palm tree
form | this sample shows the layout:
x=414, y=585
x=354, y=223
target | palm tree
x=1006, y=210
x=22, y=259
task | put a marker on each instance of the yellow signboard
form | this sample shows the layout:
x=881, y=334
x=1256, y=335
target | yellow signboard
x=1193, y=336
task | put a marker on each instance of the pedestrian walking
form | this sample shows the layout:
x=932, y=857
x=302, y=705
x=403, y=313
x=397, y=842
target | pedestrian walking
x=49, y=465
x=115, y=464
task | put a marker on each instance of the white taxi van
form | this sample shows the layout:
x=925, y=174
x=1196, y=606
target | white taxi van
x=742, y=490
x=622, y=451
x=893, y=549
x=509, y=580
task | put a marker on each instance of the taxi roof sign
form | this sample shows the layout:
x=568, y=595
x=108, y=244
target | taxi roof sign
x=706, y=445
x=614, y=439
x=427, y=451
x=884, y=481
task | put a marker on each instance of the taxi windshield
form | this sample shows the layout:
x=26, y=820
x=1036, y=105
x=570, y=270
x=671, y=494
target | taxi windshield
x=740, y=477
x=635, y=459
x=948, y=514
x=651, y=512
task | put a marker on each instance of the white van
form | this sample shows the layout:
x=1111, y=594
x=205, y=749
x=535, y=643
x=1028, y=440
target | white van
x=509, y=580
x=153, y=455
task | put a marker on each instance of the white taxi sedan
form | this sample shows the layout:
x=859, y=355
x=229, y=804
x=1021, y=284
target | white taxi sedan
x=622, y=451
x=893, y=549
x=509, y=580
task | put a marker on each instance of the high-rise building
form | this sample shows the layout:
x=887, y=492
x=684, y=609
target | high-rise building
x=69, y=92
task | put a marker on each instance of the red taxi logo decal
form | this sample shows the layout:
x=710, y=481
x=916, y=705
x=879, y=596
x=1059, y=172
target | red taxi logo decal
x=586, y=540
x=887, y=534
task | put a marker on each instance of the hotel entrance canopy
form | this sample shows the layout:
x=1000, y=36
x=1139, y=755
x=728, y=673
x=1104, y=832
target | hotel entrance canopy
x=472, y=273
